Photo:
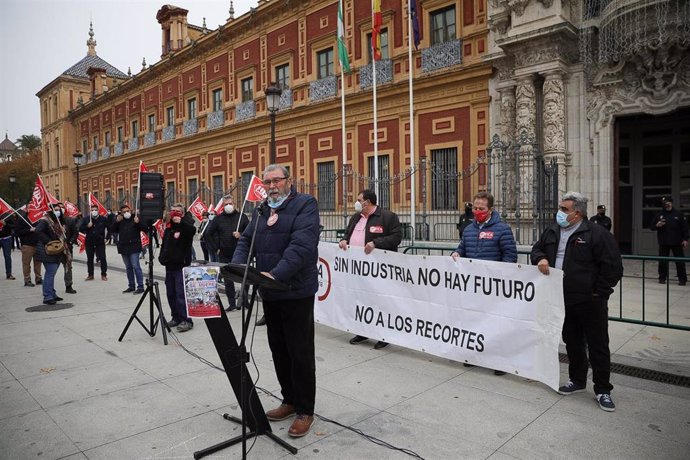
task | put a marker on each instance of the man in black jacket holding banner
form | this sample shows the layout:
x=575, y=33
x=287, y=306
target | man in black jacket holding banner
x=592, y=266
x=373, y=228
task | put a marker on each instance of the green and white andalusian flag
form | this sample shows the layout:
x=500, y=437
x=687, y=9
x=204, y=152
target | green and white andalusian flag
x=342, y=49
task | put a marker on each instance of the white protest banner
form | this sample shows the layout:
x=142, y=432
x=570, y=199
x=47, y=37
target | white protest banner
x=496, y=315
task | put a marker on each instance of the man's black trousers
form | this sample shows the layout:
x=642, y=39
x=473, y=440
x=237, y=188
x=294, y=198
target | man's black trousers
x=586, y=326
x=290, y=328
x=99, y=250
x=677, y=251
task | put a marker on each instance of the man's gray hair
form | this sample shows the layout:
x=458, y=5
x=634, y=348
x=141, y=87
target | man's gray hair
x=579, y=202
x=273, y=167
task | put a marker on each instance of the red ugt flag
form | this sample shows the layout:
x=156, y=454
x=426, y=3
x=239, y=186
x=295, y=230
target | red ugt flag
x=94, y=202
x=144, y=239
x=39, y=201
x=197, y=208
x=81, y=242
x=142, y=167
x=256, y=190
x=159, y=225
x=70, y=209
x=5, y=209
x=219, y=207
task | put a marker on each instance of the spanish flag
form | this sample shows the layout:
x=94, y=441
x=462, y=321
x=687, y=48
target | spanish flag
x=376, y=22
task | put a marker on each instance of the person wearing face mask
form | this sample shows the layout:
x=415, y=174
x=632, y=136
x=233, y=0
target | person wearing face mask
x=129, y=228
x=286, y=249
x=70, y=226
x=592, y=265
x=175, y=254
x=223, y=233
x=48, y=228
x=27, y=234
x=465, y=219
x=202, y=237
x=374, y=228
x=6, y=241
x=601, y=218
x=94, y=228
x=672, y=235
x=486, y=238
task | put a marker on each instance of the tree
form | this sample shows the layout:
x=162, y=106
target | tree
x=29, y=143
x=25, y=170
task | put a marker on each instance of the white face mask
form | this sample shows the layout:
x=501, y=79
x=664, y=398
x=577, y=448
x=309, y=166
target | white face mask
x=211, y=216
x=228, y=208
x=127, y=215
x=358, y=206
x=57, y=213
x=94, y=213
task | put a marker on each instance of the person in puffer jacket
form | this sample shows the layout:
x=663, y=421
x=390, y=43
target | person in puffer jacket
x=486, y=238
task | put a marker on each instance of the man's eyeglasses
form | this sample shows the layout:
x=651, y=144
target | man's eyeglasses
x=276, y=181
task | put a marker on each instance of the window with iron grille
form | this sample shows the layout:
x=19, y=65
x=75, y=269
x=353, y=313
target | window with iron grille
x=248, y=89
x=217, y=99
x=120, y=196
x=152, y=122
x=170, y=186
x=325, y=191
x=283, y=76
x=442, y=25
x=325, y=62
x=119, y=133
x=170, y=116
x=107, y=138
x=108, y=203
x=84, y=146
x=135, y=191
x=135, y=128
x=384, y=196
x=192, y=189
x=217, y=189
x=444, y=179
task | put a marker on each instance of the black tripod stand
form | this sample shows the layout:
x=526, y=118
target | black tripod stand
x=154, y=299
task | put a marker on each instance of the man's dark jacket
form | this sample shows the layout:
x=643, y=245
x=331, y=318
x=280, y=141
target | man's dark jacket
x=176, y=248
x=382, y=220
x=220, y=230
x=674, y=232
x=7, y=227
x=129, y=235
x=288, y=249
x=23, y=230
x=96, y=234
x=592, y=262
x=493, y=241
x=71, y=225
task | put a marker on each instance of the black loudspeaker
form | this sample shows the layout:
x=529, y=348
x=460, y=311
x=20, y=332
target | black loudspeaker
x=151, y=197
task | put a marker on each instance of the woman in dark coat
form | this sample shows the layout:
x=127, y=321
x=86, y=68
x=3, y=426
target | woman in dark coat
x=48, y=229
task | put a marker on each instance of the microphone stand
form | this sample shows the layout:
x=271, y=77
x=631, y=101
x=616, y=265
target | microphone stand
x=244, y=356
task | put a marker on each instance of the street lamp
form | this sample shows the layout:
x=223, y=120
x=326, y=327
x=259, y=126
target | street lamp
x=77, y=161
x=13, y=181
x=273, y=93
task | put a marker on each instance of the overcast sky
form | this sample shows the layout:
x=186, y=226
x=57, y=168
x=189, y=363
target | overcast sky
x=40, y=39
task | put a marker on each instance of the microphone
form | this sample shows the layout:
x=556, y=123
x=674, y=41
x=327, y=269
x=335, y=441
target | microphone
x=261, y=207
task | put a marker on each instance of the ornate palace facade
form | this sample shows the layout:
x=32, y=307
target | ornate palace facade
x=199, y=115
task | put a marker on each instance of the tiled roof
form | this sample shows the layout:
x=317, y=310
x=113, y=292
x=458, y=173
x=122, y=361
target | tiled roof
x=79, y=69
x=7, y=144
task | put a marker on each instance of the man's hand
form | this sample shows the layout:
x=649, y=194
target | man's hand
x=136, y=220
x=90, y=224
x=661, y=223
x=236, y=235
x=119, y=218
x=455, y=255
x=268, y=274
x=343, y=245
x=684, y=244
x=370, y=246
x=543, y=266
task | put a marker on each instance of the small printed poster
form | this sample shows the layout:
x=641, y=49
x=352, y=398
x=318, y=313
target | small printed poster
x=201, y=291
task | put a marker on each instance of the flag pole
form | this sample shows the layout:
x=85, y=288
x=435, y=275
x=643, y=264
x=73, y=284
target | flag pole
x=413, y=176
x=376, y=130
x=16, y=211
x=343, y=145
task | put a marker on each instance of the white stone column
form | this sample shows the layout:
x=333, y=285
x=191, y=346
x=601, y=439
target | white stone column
x=554, y=124
x=525, y=107
x=505, y=193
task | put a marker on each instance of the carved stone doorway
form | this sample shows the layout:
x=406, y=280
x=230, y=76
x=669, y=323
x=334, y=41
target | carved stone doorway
x=652, y=161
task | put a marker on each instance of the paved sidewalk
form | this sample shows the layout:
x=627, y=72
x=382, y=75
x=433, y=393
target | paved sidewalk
x=69, y=389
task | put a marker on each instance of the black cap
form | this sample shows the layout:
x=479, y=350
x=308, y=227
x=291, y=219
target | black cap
x=667, y=199
x=601, y=206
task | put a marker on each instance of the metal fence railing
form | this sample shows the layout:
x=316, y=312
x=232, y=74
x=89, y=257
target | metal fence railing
x=638, y=303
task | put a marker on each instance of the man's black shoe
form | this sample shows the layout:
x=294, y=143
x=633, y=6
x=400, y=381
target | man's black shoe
x=39, y=281
x=682, y=283
x=70, y=290
x=128, y=290
x=262, y=321
x=173, y=323
x=662, y=280
x=358, y=339
x=139, y=291
x=50, y=302
x=570, y=388
x=59, y=299
x=29, y=284
x=499, y=373
x=380, y=344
